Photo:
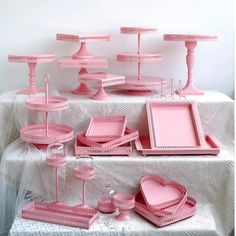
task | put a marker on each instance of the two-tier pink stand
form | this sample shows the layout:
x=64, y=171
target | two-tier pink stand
x=32, y=61
x=44, y=134
x=140, y=85
x=190, y=44
x=82, y=59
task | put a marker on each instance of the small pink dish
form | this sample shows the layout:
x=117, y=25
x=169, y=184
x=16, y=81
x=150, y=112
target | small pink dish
x=56, y=160
x=105, y=204
x=84, y=172
x=123, y=202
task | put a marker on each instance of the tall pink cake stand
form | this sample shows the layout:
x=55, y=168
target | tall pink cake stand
x=44, y=134
x=103, y=80
x=139, y=85
x=32, y=61
x=83, y=59
x=190, y=43
x=85, y=172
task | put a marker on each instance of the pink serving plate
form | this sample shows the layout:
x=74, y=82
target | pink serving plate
x=139, y=57
x=211, y=148
x=54, y=103
x=188, y=210
x=59, y=213
x=189, y=37
x=83, y=38
x=106, y=128
x=160, y=194
x=32, y=58
x=137, y=30
x=130, y=135
x=36, y=134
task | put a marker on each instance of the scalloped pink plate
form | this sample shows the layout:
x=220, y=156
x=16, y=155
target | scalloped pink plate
x=137, y=30
x=31, y=57
x=79, y=37
x=189, y=37
x=139, y=57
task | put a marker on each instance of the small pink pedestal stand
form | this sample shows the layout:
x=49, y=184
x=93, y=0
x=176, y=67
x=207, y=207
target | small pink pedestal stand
x=123, y=202
x=32, y=61
x=139, y=85
x=103, y=80
x=190, y=44
x=85, y=59
x=44, y=134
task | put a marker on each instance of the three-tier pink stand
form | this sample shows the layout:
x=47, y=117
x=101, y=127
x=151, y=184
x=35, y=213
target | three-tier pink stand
x=82, y=59
x=190, y=44
x=44, y=134
x=140, y=85
x=32, y=61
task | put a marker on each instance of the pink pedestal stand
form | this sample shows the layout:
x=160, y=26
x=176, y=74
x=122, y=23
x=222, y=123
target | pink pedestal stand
x=190, y=44
x=86, y=59
x=32, y=61
x=139, y=85
x=44, y=134
x=103, y=80
x=123, y=202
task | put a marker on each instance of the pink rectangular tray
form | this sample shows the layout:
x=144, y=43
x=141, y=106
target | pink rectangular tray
x=210, y=147
x=106, y=128
x=58, y=215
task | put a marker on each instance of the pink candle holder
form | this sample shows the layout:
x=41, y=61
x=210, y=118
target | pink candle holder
x=190, y=44
x=32, y=61
x=124, y=202
x=82, y=59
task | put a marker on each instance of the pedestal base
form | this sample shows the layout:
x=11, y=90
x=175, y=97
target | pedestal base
x=190, y=89
x=100, y=95
x=123, y=216
x=82, y=90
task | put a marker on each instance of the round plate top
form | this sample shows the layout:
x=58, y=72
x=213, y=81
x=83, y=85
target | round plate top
x=83, y=38
x=137, y=30
x=189, y=37
x=32, y=58
x=142, y=57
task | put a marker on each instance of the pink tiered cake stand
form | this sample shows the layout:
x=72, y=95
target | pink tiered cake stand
x=140, y=85
x=82, y=59
x=32, y=61
x=190, y=44
x=103, y=80
x=44, y=134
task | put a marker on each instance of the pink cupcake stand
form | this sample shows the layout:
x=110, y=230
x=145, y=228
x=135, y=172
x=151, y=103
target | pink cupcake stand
x=190, y=44
x=32, y=61
x=44, y=134
x=140, y=85
x=82, y=59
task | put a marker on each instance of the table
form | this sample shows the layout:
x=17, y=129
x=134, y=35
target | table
x=23, y=167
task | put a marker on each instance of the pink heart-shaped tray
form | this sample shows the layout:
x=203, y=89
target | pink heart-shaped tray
x=159, y=194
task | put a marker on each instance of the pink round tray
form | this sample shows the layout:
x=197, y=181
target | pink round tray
x=83, y=38
x=139, y=57
x=84, y=172
x=124, y=201
x=137, y=30
x=36, y=134
x=55, y=103
x=146, y=83
x=189, y=37
x=34, y=58
x=56, y=160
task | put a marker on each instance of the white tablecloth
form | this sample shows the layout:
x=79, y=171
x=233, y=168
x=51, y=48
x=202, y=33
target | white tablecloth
x=209, y=179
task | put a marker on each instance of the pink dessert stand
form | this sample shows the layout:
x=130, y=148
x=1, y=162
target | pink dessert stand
x=44, y=134
x=83, y=59
x=32, y=61
x=139, y=85
x=190, y=44
x=103, y=80
x=124, y=202
x=85, y=172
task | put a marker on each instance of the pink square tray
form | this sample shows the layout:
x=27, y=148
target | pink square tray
x=188, y=210
x=106, y=128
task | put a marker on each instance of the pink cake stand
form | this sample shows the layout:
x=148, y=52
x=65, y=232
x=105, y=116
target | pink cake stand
x=32, y=61
x=84, y=173
x=83, y=65
x=190, y=44
x=44, y=134
x=123, y=202
x=103, y=80
x=139, y=85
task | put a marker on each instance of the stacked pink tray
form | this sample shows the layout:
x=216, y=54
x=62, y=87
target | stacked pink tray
x=140, y=85
x=163, y=202
x=106, y=135
x=175, y=128
x=44, y=134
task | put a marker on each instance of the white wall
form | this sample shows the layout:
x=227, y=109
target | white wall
x=29, y=26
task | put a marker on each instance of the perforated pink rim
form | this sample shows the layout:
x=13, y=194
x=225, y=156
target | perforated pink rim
x=137, y=30
x=83, y=38
x=139, y=57
x=189, y=37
